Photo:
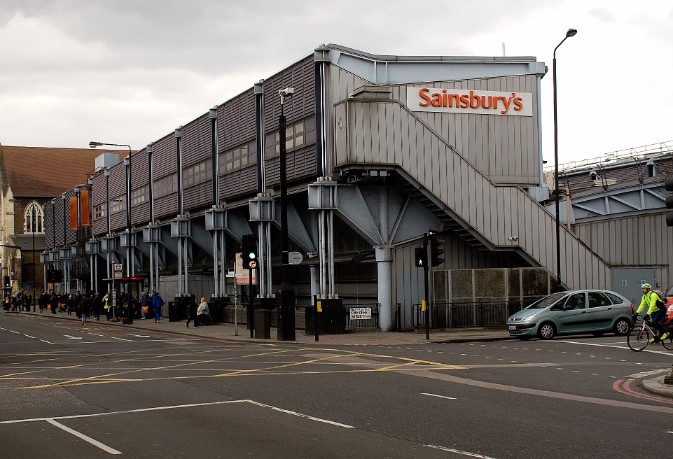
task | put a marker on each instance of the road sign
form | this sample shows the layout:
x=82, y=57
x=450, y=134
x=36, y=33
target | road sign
x=294, y=258
x=242, y=275
x=360, y=313
x=117, y=267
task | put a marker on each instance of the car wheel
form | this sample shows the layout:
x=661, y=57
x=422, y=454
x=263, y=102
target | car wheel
x=622, y=327
x=546, y=331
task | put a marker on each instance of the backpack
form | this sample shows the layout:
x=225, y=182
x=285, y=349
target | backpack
x=661, y=302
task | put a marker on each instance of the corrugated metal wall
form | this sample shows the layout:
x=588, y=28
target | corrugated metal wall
x=504, y=148
x=636, y=240
x=196, y=148
x=165, y=164
x=505, y=215
x=99, y=197
x=140, y=166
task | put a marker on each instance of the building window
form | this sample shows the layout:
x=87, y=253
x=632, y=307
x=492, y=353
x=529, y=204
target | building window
x=139, y=195
x=236, y=158
x=294, y=137
x=99, y=211
x=165, y=186
x=117, y=205
x=197, y=173
x=33, y=218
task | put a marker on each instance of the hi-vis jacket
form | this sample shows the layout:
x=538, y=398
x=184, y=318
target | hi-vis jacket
x=650, y=300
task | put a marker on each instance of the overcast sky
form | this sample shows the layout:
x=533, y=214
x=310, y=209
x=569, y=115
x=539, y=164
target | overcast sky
x=131, y=71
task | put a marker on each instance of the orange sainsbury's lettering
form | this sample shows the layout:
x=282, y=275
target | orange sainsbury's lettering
x=470, y=100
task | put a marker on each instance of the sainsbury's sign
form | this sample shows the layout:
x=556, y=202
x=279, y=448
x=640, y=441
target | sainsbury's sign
x=469, y=101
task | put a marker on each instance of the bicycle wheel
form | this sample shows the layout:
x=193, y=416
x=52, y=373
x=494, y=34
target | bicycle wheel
x=638, y=338
x=668, y=343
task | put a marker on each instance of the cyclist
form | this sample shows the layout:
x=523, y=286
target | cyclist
x=655, y=313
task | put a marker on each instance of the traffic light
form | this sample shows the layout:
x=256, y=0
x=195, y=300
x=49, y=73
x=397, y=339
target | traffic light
x=421, y=257
x=668, y=184
x=436, y=251
x=6, y=282
x=249, y=244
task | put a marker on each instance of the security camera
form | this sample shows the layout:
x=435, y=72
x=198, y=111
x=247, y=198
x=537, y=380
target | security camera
x=286, y=92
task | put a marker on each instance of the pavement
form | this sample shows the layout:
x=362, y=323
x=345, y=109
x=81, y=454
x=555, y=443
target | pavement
x=239, y=333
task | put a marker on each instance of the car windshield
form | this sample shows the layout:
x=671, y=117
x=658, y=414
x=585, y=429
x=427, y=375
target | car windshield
x=547, y=300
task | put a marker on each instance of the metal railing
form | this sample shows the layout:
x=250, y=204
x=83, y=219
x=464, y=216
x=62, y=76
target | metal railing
x=473, y=314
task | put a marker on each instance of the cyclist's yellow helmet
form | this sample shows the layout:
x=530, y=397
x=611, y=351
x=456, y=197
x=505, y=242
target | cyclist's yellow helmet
x=646, y=285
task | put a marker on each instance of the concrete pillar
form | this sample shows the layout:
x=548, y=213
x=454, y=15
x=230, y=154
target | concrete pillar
x=384, y=263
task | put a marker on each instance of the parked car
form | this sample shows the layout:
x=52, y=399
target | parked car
x=576, y=311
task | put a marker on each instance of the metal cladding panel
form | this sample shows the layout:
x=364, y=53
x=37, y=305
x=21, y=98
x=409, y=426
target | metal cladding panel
x=140, y=214
x=98, y=190
x=504, y=148
x=236, y=121
x=301, y=164
x=428, y=160
x=301, y=77
x=58, y=222
x=198, y=196
x=239, y=183
x=165, y=156
x=118, y=182
x=196, y=141
x=140, y=168
x=166, y=206
x=100, y=227
x=70, y=235
x=48, y=227
x=118, y=221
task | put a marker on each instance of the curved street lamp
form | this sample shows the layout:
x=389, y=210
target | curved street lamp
x=569, y=33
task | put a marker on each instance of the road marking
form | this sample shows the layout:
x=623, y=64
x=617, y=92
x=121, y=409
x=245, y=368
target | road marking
x=72, y=337
x=645, y=374
x=45, y=341
x=612, y=346
x=15, y=332
x=86, y=438
x=305, y=416
x=121, y=339
x=140, y=336
x=457, y=451
x=28, y=336
x=438, y=396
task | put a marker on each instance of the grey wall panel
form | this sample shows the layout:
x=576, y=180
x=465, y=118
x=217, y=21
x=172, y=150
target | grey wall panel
x=196, y=141
x=236, y=121
x=518, y=210
x=165, y=156
x=140, y=215
x=139, y=170
x=118, y=221
x=505, y=148
x=239, y=183
x=301, y=77
x=166, y=206
x=198, y=196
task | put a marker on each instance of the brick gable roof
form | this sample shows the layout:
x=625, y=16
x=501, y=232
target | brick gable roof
x=42, y=172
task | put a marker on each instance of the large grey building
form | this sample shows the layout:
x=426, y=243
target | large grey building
x=380, y=151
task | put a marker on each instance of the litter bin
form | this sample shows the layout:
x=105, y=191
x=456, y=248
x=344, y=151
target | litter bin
x=262, y=323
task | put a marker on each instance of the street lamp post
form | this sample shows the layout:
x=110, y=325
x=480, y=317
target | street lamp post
x=33, y=227
x=286, y=309
x=569, y=33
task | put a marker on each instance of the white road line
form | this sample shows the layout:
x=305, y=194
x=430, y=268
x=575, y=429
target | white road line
x=72, y=337
x=438, y=396
x=457, y=451
x=305, y=416
x=645, y=374
x=28, y=336
x=121, y=339
x=614, y=347
x=15, y=332
x=140, y=336
x=86, y=438
x=45, y=341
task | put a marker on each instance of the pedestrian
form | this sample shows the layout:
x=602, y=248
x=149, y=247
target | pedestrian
x=107, y=307
x=191, y=312
x=143, y=305
x=96, y=306
x=157, y=303
x=54, y=303
x=203, y=312
x=85, y=307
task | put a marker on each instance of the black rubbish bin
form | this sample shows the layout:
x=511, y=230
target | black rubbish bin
x=262, y=323
x=173, y=311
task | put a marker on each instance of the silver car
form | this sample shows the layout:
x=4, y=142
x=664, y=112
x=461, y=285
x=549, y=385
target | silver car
x=576, y=311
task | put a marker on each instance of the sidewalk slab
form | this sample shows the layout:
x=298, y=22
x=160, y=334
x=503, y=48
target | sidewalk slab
x=227, y=331
x=657, y=386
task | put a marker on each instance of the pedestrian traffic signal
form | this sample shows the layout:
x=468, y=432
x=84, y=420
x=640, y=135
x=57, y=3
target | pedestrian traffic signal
x=421, y=257
x=668, y=184
x=249, y=247
x=436, y=251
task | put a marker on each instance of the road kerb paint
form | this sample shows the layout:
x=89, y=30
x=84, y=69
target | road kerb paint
x=457, y=451
x=86, y=438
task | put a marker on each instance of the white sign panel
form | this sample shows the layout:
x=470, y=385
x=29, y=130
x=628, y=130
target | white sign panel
x=469, y=101
x=360, y=313
x=117, y=266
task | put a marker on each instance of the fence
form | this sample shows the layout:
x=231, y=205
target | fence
x=475, y=314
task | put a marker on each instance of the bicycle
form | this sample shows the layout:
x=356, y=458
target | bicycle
x=640, y=334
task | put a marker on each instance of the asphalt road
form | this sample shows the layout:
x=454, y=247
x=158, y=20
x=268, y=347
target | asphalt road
x=95, y=390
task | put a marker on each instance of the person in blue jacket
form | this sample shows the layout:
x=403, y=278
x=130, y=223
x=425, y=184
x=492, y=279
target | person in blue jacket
x=157, y=303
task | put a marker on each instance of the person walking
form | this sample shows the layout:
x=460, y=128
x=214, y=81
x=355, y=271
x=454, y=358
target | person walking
x=191, y=312
x=157, y=303
x=656, y=310
x=143, y=305
x=203, y=312
x=85, y=307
